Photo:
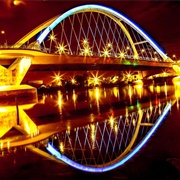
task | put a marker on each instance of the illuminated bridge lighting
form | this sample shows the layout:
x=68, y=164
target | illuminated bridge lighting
x=137, y=47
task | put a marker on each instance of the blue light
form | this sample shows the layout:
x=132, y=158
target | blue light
x=105, y=9
x=115, y=165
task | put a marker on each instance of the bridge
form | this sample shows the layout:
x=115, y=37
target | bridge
x=91, y=37
x=88, y=37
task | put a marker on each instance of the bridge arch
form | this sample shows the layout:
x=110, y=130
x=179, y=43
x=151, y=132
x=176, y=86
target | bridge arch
x=116, y=16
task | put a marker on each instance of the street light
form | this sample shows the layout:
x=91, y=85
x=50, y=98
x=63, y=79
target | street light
x=4, y=34
x=174, y=56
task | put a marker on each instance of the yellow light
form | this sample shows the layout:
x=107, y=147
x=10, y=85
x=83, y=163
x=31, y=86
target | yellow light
x=74, y=97
x=60, y=102
x=109, y=45
x=61, y=48
x=95, y=79
x=73, y=81
x=111, y=122
x=86, y=51
x=57, y=78
x=116, y=92
x=2, y=32
x=142, y=50
x=8, y=144
x=105, y=52
x=121, y=55
x=158, y=89
x=1, y=145
x=18, y=2
x=176, y=81
x=84, y=42
x=93, y=132
x=52, y=36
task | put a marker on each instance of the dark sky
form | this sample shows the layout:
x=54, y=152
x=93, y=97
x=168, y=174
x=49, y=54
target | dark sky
x=160, y=19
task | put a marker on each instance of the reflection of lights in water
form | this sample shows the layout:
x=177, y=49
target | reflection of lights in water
x=134, y=122
x=150, y=106
x=139, y=90
x=95, y=95
x=68, y=129
x=151, y=87
x=111, y=122
x=177, y=95
x=127, y=113
x=147, y=116
x=105, y=94
x=130, y=93
x=67, y=97
x=8, y=144
x=165, y=89
x=116, y=92
x=107, y=166
x=113, y=125
x=116, y=129
x=159, y=108
x=93, y=134
x=92, y=117
x=43, y=99
x=1, y=145
x=127, y=121
x=158, y=89
x=60, y=101
x=74, y=97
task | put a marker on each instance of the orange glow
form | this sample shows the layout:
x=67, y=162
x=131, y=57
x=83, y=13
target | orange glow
x=18, y=2
x=2, y=32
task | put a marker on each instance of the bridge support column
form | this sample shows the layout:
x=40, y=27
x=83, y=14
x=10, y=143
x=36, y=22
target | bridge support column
x=5, y=76
x=19, y=69
x=176, y=69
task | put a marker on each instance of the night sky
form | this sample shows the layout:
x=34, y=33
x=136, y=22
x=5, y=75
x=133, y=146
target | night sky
x=160, y=19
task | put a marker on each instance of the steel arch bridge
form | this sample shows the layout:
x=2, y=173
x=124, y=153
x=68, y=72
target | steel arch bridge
x=88, y=35
x=93, y=30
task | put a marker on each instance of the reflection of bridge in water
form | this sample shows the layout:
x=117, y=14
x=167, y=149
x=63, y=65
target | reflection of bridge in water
x=109, y=142
x=106, y=145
